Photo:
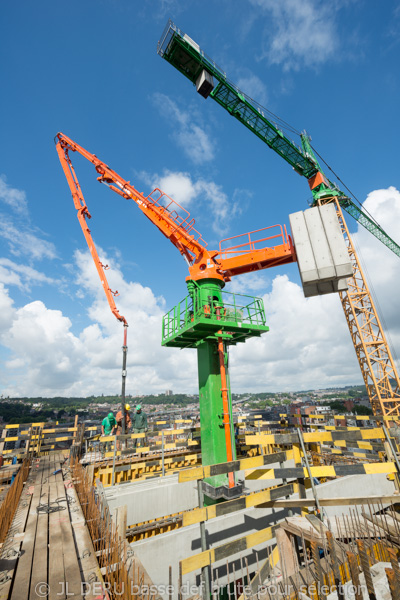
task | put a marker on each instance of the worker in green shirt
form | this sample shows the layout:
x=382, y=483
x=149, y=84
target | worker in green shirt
x=108, y=424
x=108, y=427
x=139, y=423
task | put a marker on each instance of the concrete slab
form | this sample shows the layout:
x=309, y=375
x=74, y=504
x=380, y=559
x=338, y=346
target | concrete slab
x=337, y=245
x=319, y=243
x=305, y=255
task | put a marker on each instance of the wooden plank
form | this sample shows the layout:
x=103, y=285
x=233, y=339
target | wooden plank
x=338, y=526
x=39, y=559
x=71, y=564
x=86, y=554
x=13, y=542
x=23, y=572
x=351, y=501
x=56, y=577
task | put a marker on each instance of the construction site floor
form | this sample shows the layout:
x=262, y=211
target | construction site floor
x=48, y=552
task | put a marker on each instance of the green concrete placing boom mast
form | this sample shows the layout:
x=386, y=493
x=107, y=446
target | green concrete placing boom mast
x=208, y=319
x=375, y=359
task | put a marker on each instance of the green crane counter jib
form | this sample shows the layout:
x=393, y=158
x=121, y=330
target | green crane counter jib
x=187, y=57
x=205, y=316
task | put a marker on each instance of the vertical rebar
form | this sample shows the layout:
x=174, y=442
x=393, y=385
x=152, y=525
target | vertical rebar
x=393, y=585
x=314, y=491
x=247, y=574
x=366, y=570
x=162, y=454
x=113, y=467
x=234, y=581
x=308, y=573
x=318, y=568
x=335, y=564
x=229, y=583
x=205, y=571
x=394, y=559
x=354, y=575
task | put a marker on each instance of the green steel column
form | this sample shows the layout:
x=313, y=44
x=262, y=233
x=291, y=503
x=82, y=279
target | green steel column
x=213, y=443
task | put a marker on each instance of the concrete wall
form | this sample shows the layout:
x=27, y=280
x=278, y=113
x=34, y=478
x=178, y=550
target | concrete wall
x=151, y=499
x=164, y=496
x=161, y=497
x=167, y=549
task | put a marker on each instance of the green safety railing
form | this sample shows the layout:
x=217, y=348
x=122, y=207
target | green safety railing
x=235, y=310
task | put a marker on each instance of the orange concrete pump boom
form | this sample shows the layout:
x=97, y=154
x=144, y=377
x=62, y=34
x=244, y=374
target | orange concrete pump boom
x=175, y=223
x=83, y=214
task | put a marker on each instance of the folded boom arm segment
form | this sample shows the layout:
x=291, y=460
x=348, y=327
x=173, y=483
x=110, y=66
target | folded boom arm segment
x=176, y=224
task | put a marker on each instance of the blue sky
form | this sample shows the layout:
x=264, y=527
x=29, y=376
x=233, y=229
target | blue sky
x=91, y=70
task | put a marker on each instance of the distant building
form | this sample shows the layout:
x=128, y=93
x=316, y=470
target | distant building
x=363, y=402
x=349, y=404
x=321, y=410
x=168, y=392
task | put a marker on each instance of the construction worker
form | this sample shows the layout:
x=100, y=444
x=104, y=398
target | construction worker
x=108, y=427
x=139, y=423
x=128, y=420
x=108, y=424
x=128, y=423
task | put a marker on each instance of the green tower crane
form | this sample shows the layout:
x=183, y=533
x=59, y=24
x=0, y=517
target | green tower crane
x=373, y=353
x=187, y=57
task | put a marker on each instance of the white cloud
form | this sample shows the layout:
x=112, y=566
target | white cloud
x=48, y=359
x=253, y=86
x=22, y=238
x=24, y=241
x=183, y=189
x=6, y=310
x=308, y=344
x=250, y=283
x=13, y=197
x=382, y=265
x=304, y=33
x=23, y=276
x=188, y=134
x=179, y=186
